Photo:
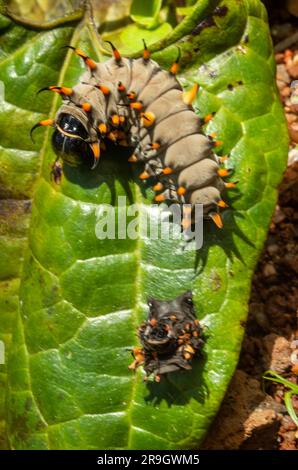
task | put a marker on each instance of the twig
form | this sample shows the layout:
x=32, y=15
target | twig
x=287, y=42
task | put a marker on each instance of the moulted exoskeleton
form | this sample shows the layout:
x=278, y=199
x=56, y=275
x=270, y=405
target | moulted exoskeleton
x=136, y=104
x=171, y=337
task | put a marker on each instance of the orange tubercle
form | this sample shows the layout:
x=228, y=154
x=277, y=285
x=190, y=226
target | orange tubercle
x=174, y=69
x=146, y=52
x=96, y=149
x=116, y=53
x=80, y=52
x=217, y=220
x=158, y=187
x=86, y=107
x=231, y=185
x=133, y=159
x=222, y=172
x=47, y=122
x=222, y=204
x=190, y=95
x=121, y=87
x=90, y=63
x=144, y=175
x=113, y=136
x=115, y=119
x=102, y=128
x=148, y=119
x=104, y=89
x=181, y=191
x=61, y=90
x=155, y=146
x=167, y=170
x=131, y=95
x=208, y=118
x=138, y=106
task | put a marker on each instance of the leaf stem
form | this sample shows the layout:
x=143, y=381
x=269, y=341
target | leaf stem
x=75, y=16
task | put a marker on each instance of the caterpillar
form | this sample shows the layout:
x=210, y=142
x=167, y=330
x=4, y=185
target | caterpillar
x=134, y=103
x=171, y=337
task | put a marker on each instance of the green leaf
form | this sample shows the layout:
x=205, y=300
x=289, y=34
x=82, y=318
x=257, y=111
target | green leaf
x=183, y=11
x=20, y=64
x=276, y=378
x=81, y=298
x=127, y=38
x=145, y=12
x=290, y=407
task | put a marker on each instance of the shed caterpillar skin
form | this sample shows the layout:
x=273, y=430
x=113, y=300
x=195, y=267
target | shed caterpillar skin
x=171, y=337
x=134, y=103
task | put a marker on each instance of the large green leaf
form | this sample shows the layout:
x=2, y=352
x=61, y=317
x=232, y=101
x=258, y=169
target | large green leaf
x=145, y=12
x=81, y=298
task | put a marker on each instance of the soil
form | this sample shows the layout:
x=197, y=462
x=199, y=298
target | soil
x=250, y=418
x=253, y=414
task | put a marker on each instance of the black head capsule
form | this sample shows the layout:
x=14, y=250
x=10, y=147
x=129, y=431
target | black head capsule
x=170, y=338
x=71, y=125
x=69, y=141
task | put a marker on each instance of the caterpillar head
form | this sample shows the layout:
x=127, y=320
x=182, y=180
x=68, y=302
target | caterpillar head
x=182, y=307
x=74, y=140
x=170, y=337
x=158, y=332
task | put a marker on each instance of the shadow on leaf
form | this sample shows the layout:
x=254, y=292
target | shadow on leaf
x=178, y=388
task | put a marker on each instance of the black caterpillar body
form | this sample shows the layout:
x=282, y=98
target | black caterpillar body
x=134, y=103
x=171, y=337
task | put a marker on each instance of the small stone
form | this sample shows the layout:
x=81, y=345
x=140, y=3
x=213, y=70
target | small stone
x=291, y=261
x=291, y=117
x=294, y=344
x=277, y=353
x=272, y=249
x=280, y=84
x=288, y=424
x=286, y=91
x=269, y=270
x=279, y=216
x=292, y=7
x=245, y=411
x=293, y=70
x=282, y=73
x=257, y=310
x=293, y=130
x=288, y=55
x=279, y=58
x=293, y=156
x=294, y=109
